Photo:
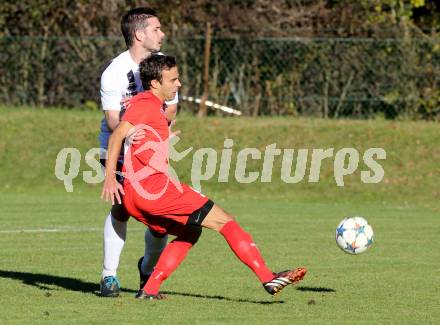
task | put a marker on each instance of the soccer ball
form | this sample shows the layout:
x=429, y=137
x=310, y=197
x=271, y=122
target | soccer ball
x=354, y=235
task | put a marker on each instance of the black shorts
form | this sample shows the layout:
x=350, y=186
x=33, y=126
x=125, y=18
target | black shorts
x=196, y=218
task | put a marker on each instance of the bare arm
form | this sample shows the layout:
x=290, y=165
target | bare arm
x=112, y=118
x=111, y=187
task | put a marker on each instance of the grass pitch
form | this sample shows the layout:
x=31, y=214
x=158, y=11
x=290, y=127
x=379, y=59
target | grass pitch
x=51, y=263
x=51, y=240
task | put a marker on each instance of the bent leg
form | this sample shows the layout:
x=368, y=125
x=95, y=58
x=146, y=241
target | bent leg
x=240, y=242
x=171, y=257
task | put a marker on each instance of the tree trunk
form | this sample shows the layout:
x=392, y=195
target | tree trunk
x=202, y=109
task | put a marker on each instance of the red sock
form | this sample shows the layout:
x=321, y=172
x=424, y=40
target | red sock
x=169, y=260
x=243, y=246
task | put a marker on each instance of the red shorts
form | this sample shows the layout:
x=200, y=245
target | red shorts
x=160, y=204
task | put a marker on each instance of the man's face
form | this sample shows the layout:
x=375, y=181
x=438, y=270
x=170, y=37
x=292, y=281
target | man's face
x=170, y=83
x=152, y=35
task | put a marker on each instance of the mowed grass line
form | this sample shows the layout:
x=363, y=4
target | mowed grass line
x=52, y=277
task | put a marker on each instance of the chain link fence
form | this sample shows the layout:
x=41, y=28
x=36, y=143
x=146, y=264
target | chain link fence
x=323, y=77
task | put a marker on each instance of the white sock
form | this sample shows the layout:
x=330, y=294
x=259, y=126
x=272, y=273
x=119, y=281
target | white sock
x=115, y=232
x=153, y=248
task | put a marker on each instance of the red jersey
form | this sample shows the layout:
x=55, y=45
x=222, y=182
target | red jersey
x=151, y=195
x=150, y=156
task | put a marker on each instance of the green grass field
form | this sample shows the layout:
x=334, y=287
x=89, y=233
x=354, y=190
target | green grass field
x=51, y=242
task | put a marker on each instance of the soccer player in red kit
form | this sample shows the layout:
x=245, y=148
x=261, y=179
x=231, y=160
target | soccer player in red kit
x=163, y=204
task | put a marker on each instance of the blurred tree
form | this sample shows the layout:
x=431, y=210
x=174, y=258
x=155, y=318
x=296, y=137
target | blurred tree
x=228, y=17
x=380, y=15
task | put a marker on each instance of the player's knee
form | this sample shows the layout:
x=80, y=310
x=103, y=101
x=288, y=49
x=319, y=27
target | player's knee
x=223, y=220
x=217, y=218
x=226, y=218
x=229, y=217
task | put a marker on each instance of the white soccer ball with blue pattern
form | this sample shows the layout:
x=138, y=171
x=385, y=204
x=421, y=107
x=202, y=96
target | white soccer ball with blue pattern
x=354, y=235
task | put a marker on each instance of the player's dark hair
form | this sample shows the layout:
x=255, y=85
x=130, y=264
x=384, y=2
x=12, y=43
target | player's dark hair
x=151, y=68
x=134, y=20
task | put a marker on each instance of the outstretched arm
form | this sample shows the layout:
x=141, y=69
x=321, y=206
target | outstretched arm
x=111, y=187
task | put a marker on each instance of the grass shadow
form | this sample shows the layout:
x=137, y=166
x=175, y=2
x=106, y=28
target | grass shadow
x=45, y=281
x=195, y=295
x=315, y=289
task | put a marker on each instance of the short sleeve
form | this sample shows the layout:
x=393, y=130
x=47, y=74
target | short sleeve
x=111, y=95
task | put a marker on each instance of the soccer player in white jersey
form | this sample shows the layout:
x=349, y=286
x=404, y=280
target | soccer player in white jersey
x=143, y=36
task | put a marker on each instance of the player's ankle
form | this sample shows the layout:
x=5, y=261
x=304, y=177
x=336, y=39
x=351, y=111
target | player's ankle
x=150, y=292
x=106, y=273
